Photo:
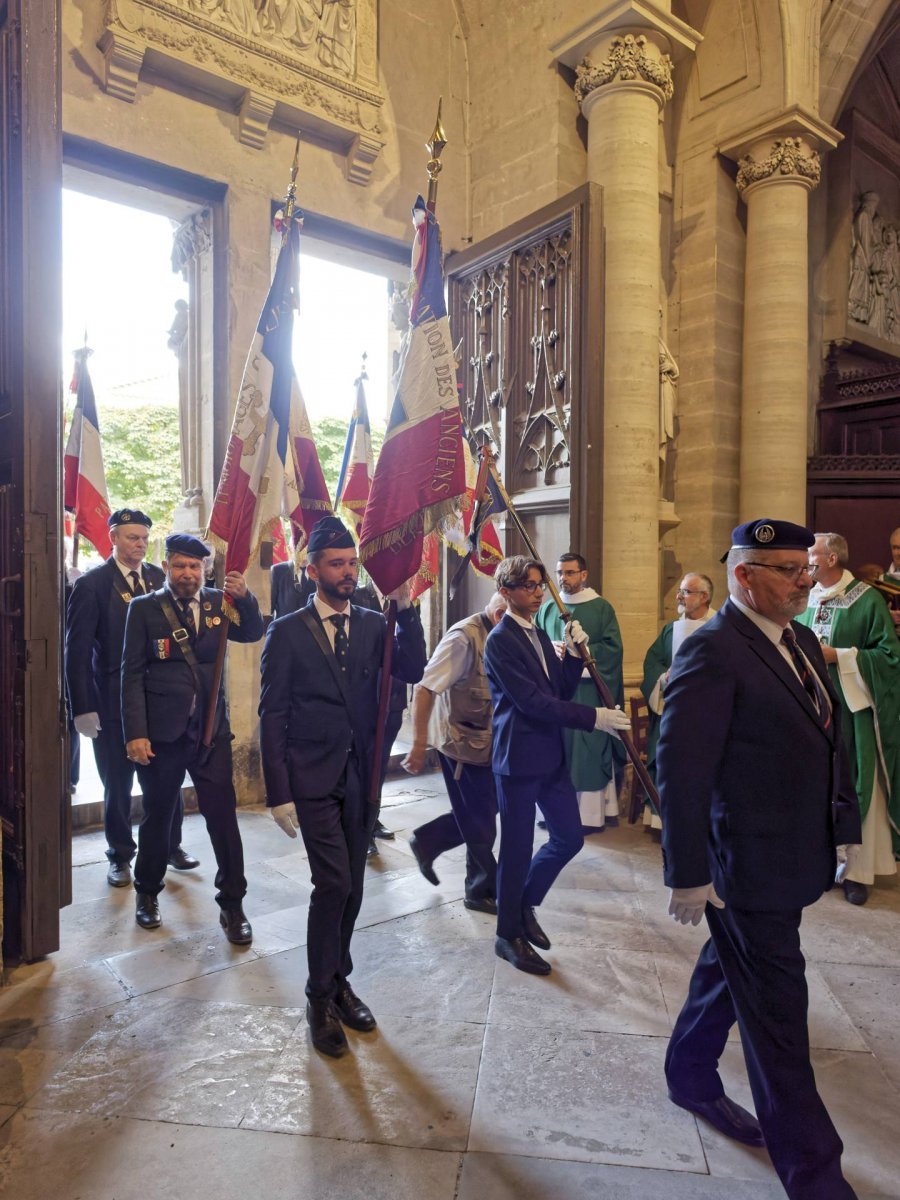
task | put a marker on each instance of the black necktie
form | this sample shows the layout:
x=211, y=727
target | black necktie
x=137, y=588
x=187, y=616
x=807, y=677
x=341, y=642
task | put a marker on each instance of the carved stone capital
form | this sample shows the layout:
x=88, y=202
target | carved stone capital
x=789, y=159
x=631, y=57
x=361, y=157
x=254, y=116
x=122, y=59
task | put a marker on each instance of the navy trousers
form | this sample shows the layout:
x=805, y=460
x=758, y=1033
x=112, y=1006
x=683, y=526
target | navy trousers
x=752, y=971
x=523, y=881
x=116, y=772
x=335, y=831
x=161, y=784
x=472, y=822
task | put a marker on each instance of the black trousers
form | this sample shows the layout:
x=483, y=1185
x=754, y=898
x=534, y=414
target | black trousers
x=335, y=831
x=161, y=784
x=472, y=821
x=752, y=970
x=116, y=772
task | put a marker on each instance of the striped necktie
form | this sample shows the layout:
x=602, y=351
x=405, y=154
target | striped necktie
x=808, y=677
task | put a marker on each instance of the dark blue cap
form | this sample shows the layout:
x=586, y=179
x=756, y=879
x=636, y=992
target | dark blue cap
x=128, y=516
x=330, y=533
x=186, y=543
x=766, y=534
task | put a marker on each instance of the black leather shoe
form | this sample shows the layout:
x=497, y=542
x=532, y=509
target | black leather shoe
x=351, y=1010
x=119, y=874
x=726, y=1116
x=425, y=864
x=371, y=849
x=146, y=911
x=181, y=860
x=236, y=926
x=486, y=904
x=325, y=1028
x=380, y=831
x=520, y=953
x=533, y=931
x=855, y=893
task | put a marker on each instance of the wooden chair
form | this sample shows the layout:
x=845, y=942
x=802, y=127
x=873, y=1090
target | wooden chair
x=640, y=731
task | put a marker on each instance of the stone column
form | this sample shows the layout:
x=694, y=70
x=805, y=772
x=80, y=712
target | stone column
x=778, y=166
x=624, y=78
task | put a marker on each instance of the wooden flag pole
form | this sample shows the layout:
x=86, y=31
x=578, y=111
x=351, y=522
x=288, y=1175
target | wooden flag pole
x=603, y=691
x=435, y=146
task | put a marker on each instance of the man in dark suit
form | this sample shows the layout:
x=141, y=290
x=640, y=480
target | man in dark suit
x=756, y=800
x=95, y=634
x=318, y=710
x=171, y=640
x=290, y=591
x=532, y=694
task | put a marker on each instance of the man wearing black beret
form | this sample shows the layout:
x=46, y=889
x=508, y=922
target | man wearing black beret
x=318, y=709
x=95, y=634
x=171, y=640
x=757, y=814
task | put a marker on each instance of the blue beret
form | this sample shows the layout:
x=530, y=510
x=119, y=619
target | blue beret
x=128, y=516
x=330, y=533
x=766, y=534
x=186, y=543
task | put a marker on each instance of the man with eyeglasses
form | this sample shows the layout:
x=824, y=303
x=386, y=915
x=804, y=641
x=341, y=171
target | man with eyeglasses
x=854, y=627
x=532, y=690
x=594, y=758
x=754, y=812
x=694, y=610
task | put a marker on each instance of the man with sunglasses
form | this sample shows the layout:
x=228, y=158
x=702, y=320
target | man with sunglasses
x=532, y=692
x=754, y=813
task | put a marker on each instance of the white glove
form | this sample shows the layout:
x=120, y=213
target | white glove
x=611, y=720
x=88, y=724
x=846, y=860
x=401, y=595
x=688, y=905
x=575, y=637
x=285, y=817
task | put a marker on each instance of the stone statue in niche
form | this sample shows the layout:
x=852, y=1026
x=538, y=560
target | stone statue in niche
x=668, y=385
x=873, y=297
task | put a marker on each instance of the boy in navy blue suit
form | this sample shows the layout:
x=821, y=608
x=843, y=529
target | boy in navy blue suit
x=532, y=694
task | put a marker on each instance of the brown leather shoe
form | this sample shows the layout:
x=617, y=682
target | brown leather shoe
x=236, y=926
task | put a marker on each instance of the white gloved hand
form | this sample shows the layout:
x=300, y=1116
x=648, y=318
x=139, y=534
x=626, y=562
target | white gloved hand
x=846, y=859
x=285, y=817
x=688, y=905
x=88, y=724
x=611, y=720
x=575, y=637
x=401, y=595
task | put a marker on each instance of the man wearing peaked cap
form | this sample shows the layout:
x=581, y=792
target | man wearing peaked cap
x=754, y=814
x=95, y=634
x=168, y=666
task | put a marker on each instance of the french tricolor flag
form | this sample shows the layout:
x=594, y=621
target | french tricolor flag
x=84, y=480
x=358, y=465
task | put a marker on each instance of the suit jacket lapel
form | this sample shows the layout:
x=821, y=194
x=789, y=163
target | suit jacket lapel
x=527, y=646
x=313, y=623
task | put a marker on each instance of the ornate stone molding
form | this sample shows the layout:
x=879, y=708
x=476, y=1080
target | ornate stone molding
x=628, y=60
x=311, y=66
x=789, y=158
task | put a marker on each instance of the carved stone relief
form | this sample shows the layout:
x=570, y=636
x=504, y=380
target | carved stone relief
x=310, y=63
x=788, y=157
x=873, y=297
x=631, y=57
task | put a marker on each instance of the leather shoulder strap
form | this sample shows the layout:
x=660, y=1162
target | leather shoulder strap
x=182, y=639
x=314, y=625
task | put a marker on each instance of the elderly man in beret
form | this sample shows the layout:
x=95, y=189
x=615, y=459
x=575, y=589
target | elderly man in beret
x=318, y=709
x=95, y=634
x=171, y=640
x=757, y=814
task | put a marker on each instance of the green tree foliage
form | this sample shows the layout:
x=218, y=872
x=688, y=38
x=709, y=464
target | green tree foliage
x=330, y=434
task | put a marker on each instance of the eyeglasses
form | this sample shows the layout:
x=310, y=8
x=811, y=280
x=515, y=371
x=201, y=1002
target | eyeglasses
x=529, y=587
x=688, y=592
x=787, y=571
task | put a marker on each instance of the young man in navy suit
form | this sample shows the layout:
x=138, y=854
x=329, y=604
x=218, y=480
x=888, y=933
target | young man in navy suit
x=755, y=810
x=318, y=708
x=532, y=696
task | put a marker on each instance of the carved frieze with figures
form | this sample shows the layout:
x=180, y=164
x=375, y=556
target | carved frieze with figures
x=873, y=296
x=310, y=63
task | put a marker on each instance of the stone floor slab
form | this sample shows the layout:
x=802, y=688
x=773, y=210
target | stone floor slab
x=871, y=996
x=581, y=919
x=40, y=994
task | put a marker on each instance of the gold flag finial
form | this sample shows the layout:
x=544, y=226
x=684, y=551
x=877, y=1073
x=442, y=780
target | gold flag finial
x=435, y=146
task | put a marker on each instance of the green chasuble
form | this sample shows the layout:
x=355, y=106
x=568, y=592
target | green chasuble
x=657, y=661
x=592, y=757
x=853, y=614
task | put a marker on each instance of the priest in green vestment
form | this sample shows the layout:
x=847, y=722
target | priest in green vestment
x=852, y=622
x=593, y=758
x=694, y=598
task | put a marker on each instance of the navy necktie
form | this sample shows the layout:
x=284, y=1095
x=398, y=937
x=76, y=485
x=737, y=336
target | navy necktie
x=808, y=677
x=341, y=641
x=187, y=616
x=137, y=588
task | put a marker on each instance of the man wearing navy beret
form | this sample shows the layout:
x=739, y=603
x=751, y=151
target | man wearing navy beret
x=171, y=640
x=757, y=814
x=95, y=634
